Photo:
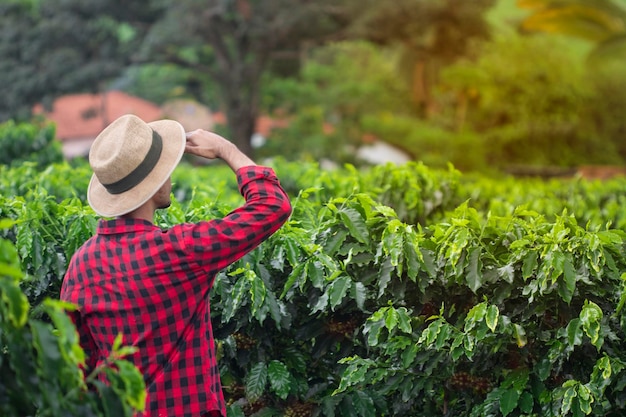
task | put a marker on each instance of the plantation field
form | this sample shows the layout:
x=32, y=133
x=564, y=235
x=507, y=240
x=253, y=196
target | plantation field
x=391, y=291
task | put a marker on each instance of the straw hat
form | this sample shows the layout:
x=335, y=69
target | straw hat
x=131, y=160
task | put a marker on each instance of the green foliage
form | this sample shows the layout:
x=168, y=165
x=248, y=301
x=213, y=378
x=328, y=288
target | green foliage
x=339, y=85
x=432, y=145
x=396, y=290
x=593, y=203
x=235, y=43
x=55, y=47
x=529, y=98
x=602, y=22
x=159, y=83
x=26, y=142
x=41, y=361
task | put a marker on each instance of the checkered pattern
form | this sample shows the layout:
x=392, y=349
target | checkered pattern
x=153, y=287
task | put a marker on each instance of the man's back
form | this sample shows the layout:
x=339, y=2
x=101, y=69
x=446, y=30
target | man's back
x=153, y=286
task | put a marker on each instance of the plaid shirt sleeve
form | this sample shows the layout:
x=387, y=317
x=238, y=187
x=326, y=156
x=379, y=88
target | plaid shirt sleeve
x=218, y=243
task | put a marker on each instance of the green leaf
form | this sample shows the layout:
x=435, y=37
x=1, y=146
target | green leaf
x=293, y=251
x=567, y=284
x=568, y=398
x=372, y=329
x=358, y=292
x=314, y=274
x=556, y=260
x=520, y=335
x=47, y=347
x=24, y=242
x=508, y=401
x=590, y=318
x=473, y=274
x=321, y=303
x=408, y=356
x=134, y=384
x=232, y=304
x=457, y=346
x=507, y=273
x=6, y=223
x=328, y=405
x=334, y=242
x=574, y=332
x=404, y=320
x=257, y=291
x=622, y=298
x=543, y=368
x=443, y=336
x=412, y=260
x=355, y=224
x=338, y=290
x=235, y=410
x=529, y=264
x=111, y=402
x=492, y=317
x=393, y=243
x=363, y=404
x=355, y=372
x=68, y=337
x=385, y=277
x=429, y=334
x=9, y=271
x=475, y=315
x=295, y=359
x=584, y=399
x=9, y=260
x=391, y=319
x=276, y=308
x=526, y=402
x=16, y=302
x=296, y=276
x=117, y=342
x=429, y=262
x=517, y=379
x=280, y=378
x=256, y=381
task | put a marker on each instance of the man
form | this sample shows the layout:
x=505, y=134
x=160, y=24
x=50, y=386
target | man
x=150, y=285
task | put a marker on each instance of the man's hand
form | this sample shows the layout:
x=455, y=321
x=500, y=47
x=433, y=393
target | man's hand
x=211, y=146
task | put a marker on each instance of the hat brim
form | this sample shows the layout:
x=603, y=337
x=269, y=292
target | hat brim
x=112, y=205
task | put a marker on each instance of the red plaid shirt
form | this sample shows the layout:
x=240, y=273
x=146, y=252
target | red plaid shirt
x=153, y=287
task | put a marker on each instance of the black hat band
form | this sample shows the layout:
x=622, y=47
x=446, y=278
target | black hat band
x=142, y=170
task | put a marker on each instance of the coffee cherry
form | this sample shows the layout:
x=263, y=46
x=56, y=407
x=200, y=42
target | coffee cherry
x=244, y=341
x=299, y=410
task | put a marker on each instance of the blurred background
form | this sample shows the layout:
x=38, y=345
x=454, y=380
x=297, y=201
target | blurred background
x=527, y=87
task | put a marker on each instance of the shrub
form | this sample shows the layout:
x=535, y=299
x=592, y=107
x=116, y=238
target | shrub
x=41, y=361
x=20, y=142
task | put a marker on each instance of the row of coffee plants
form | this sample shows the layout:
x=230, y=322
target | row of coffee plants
x=391, y=291
x=41, y=361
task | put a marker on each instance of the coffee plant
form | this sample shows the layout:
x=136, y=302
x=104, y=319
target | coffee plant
x=42, y=363
x=27, y=142
x=392, y=291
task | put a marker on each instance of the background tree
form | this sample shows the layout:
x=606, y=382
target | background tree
x=54, y=47
x=603, y=22
x=528, y=98
x=26, y=142
x=235, y=42
x=338, y=88
x=431, y=34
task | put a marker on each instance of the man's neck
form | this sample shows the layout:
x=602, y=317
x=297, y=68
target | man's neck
x=145, y=212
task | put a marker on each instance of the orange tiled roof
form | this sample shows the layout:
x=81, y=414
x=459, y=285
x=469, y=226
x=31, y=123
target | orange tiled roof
x=264, y=124
x=85, y=115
